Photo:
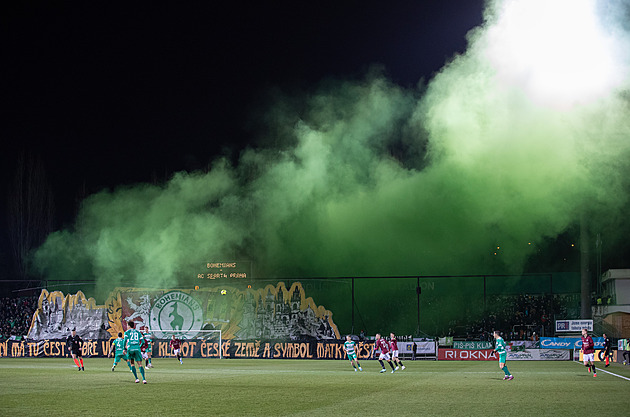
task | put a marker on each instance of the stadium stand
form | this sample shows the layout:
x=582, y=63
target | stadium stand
x=15, y=316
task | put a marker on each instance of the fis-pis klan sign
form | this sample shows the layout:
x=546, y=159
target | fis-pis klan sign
x=574, y=326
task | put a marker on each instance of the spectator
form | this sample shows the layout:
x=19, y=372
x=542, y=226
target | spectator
x=15, y=316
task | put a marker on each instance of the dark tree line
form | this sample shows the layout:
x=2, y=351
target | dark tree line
x=30, y=211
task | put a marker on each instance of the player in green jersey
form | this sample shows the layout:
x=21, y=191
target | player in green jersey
x=500, y=349
x=118, y=347
x=133, y=341
x=349, y=347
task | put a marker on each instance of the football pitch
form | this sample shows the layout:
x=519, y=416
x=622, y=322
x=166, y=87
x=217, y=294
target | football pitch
x=243, y=387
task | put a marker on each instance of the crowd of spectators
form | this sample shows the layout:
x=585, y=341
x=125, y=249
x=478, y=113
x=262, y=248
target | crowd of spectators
x=521, y=312
x=15, y=316
x=520, y=317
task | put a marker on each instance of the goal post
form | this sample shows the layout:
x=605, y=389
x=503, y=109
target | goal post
x=203, y=335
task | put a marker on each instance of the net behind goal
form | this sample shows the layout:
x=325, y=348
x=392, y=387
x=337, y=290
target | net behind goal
x=203, y=336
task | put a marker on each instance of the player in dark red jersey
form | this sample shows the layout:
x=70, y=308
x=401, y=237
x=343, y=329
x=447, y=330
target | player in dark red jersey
x=393, y=344
x=382, y=345
x=175, y=344
x=588, y=352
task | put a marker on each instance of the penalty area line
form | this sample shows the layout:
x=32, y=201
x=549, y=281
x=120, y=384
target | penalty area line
x=608, y=372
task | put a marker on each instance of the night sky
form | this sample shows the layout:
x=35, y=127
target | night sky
x=109, y=95
x=114, y=96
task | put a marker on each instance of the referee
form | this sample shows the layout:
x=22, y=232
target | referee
x=607, y=352
x=74, y=344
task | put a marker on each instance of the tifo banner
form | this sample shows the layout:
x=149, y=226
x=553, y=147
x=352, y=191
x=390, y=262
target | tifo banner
x=196, y=348
x=273, y=312
x=567, y=342
x=540, y=355
x=57, y=314
x=472, y=345
x=573, y=325
x=447, y=354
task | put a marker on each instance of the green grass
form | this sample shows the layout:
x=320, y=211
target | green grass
x=243, y=387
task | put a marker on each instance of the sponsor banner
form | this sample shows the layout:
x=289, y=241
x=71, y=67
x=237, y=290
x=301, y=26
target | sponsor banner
x=567, y=342
x=472, y=345
x=540, y=355
x=599, y=356
x=194, y=348
x=423, y=348
x=448, y=354
x=522, y=344
x=573, y=325
x=489, y=355
x=446, y=341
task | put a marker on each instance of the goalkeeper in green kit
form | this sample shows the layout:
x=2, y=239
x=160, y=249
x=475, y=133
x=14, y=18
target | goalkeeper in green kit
x=118, y=347
x=349, y=347
x=133, y=341
x=500, y=349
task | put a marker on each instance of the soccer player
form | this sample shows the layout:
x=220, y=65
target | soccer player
x=133, y=341
x=349, y=347
x=147, y=350
x=607, y=352
x=588, y=352
x=74, y=344
x=381, y=345
x=118, y=347
x=500, y=349
x=393, y=344
x=175, y=344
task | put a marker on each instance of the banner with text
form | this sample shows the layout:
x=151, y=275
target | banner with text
x=567, y=342
x=194, y=348
x=472, y=345
x=573, y=325
x=422, y=348
x=540, y=355
x=447, y=354
x=599, y=356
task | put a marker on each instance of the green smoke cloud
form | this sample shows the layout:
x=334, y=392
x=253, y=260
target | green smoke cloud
x=370, y=178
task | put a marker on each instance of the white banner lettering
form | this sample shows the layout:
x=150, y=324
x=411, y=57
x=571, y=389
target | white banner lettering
x=574, y=325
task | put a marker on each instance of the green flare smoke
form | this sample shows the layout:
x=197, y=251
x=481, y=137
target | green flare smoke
x=372, y=179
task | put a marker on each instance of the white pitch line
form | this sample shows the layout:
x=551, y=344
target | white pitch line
x=608, y=372
x=614, y=374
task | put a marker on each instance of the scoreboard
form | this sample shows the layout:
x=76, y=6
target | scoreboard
x=225, y=271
